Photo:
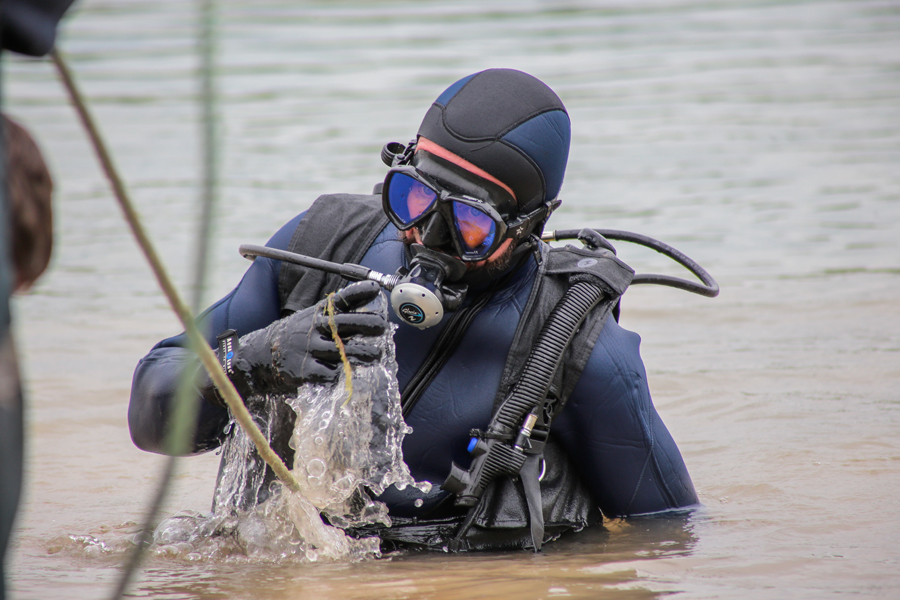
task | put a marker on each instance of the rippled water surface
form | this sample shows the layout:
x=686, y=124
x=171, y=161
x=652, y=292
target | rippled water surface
x=762, y=139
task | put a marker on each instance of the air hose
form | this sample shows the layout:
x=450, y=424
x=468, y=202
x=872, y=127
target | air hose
x=542, y=363
x=709, y=288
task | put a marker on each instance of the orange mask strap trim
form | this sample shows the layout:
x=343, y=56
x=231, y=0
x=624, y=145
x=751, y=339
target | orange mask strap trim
x=441, y=152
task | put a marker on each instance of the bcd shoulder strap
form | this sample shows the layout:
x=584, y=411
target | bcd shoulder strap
x=556, y=267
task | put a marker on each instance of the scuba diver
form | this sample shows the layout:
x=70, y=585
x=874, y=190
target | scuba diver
x=459, y=214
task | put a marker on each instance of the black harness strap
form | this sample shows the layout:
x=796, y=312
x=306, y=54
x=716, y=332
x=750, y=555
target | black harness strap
x=530, y=476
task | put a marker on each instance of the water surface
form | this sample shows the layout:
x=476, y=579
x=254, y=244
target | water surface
x=762, y=139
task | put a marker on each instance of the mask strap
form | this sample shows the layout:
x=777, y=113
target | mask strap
x=524, y=225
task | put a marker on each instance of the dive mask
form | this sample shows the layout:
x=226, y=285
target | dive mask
x=479, y=214
x=411, y=198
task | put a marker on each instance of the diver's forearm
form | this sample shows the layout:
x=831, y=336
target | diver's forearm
x=153, y=392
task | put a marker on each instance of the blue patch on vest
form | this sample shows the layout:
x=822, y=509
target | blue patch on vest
x=545, y=139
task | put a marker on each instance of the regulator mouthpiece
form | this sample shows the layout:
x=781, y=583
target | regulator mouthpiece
x=425, y=290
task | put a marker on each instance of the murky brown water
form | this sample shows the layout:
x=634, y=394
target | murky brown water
x=763, y=139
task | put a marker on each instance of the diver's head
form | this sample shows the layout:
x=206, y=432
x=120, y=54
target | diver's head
x=485, y=169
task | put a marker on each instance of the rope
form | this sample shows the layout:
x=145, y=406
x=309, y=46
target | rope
x=197, y=341
x=348, y=372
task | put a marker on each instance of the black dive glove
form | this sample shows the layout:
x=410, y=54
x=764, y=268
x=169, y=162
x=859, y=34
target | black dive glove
x=299, y=348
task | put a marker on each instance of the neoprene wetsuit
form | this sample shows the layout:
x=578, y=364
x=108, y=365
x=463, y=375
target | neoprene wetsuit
x=610, y=429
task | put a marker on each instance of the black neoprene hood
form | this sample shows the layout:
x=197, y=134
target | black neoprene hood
x=511, y=125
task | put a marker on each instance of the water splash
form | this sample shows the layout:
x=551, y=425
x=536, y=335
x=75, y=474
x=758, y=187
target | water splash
x=346, y=451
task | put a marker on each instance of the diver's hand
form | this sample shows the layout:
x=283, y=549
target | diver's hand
x=300, y=348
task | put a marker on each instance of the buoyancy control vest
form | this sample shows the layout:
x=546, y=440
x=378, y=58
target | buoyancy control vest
x=502, y=520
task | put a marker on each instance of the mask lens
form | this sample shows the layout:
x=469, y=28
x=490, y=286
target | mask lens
x=409, y=198
x=476, y=229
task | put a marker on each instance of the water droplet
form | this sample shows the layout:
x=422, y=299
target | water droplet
x=344, y=484
x=316, y=467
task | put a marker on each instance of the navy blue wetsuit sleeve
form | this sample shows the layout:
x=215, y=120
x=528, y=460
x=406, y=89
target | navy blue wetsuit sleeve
x=611, y=429
x=252, y=305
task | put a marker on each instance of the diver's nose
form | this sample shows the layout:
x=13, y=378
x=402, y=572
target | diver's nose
x=435, y=232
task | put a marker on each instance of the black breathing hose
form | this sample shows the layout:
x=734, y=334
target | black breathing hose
x=542, y=363
x=709, y=288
